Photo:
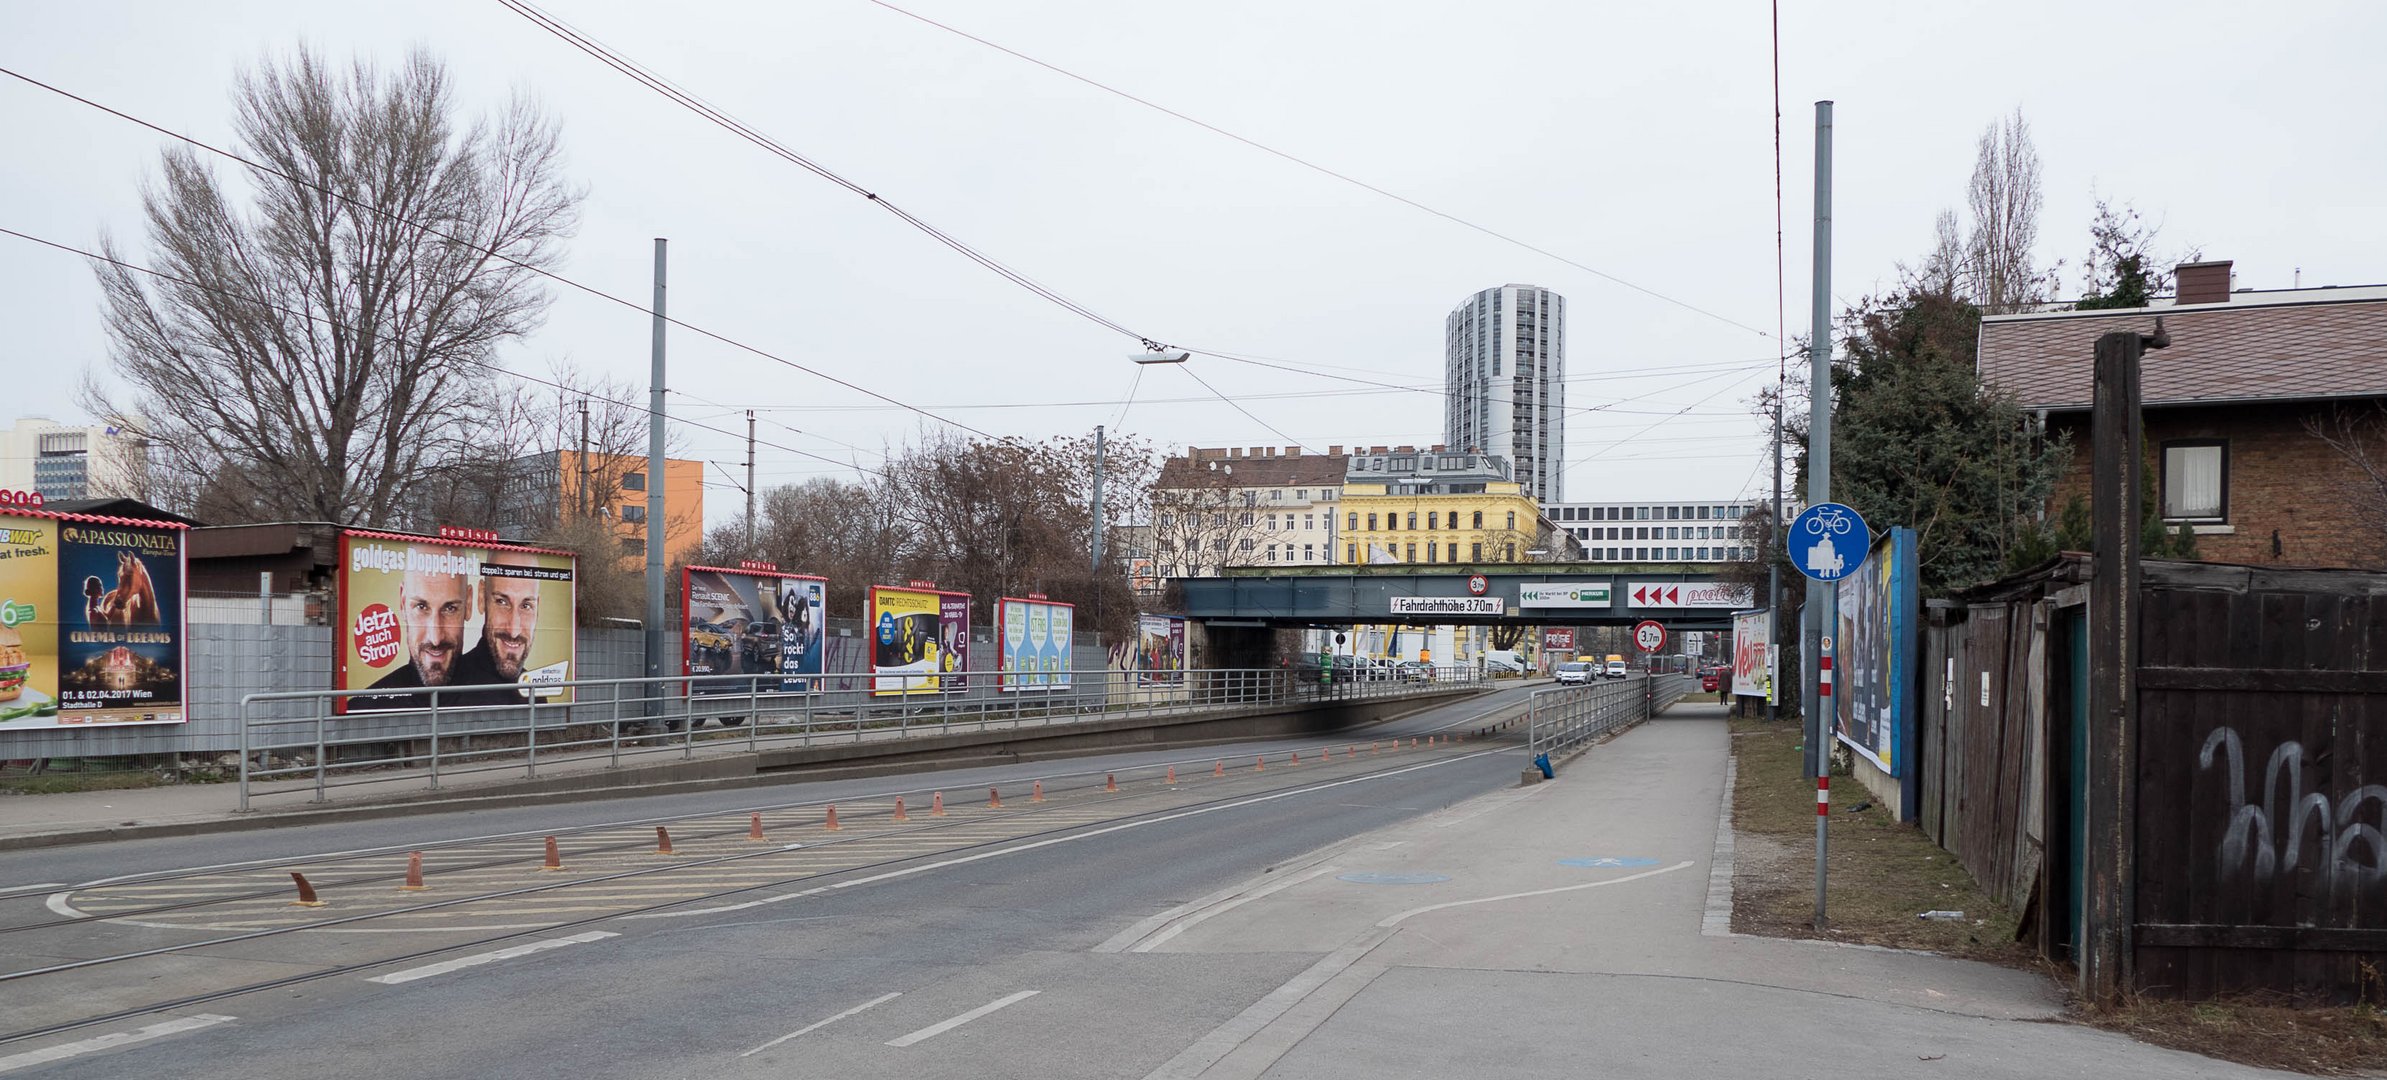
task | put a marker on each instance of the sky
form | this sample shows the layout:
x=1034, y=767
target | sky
x=1635, y=142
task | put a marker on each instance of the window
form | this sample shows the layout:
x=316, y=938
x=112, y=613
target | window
x=1272, y=553
x=1433, y=551
x=1703, y=512
x=1276, y=494
x=1272, y=522
x=1218, y=521
x=1413, y=520
x=1413, y=553
x=1673, y=553
x=633, y=513
x=1245, y=545
x=1246, y=521
x=1508, y=553
x=1350, y=553
x=1168, y=519
x=1674, y=532
x=1219, y=544
x=1433, y=519
x=1479, y=519
x=1475, y=552
x=1641, y=553
x=634, y=481
x=1454, y=553
x=1308, y=521
x=1301, y=495
x=1353, y=526
x=1309, y=552
x=1512, y=519
x=2196, y=480
x=1371, y=523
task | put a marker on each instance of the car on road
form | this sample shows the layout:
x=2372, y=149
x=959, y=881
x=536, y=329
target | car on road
x=1616, y=669
x=1576, y=671
x=1713, y=678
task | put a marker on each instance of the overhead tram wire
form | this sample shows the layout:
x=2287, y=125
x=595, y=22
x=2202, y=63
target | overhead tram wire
x=690, y=101
x=476, y=246
x=1197, y=377
x=1322, y=170
x=485, y=365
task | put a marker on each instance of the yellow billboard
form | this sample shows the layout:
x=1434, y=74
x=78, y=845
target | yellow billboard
x=418, y=613
x=91, y=621
x=920, y=641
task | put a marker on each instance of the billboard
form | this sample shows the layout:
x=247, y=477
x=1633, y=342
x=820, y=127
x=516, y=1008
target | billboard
x=91, y=621
x=421, y=612
x=919, y=641
x=1752, y=668
x=1032, y=640
x=1159, y=649
x=1678, y=594
x=1873, y=697
x=1558, y=639
x=760, y=626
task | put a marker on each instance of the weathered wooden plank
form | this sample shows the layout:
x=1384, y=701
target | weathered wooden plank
x=2263, y=680
x=2223, y=936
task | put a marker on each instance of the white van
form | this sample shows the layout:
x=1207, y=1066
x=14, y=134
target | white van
x=1499, y=661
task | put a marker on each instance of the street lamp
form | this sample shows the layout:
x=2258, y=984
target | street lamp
x=1161, y=356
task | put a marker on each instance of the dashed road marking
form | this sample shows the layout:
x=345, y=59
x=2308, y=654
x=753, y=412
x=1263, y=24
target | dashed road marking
x=478, y=959
x=819, y=1024
x=63, y=1051
x=943, y=1026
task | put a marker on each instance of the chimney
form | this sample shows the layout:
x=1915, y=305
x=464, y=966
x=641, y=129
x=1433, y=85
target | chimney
x=1256, y=451
x=1335, y=450
x=1292, y=451
x=2202, y=282
x=1438, y=448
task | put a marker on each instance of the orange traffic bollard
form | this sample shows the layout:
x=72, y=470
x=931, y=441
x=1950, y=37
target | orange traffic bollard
x=1110, y=782
x=1374, y=748
x=1172, y=776
x=1036, y=794
x=1260, y=764
x=831, y=825
x=414, y=873
x=555, y=859
x=994, y=799
x=754, y=826
x=899, y=814
x=1219, y=769
x=306, y=892
x=936, y=805
x=1296, y=757
x=663, y=841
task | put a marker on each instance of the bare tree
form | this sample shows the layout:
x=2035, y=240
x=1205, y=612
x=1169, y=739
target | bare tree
x=2004, y=200
x=1945, y=268
x=2359, y=434
x=318, y=352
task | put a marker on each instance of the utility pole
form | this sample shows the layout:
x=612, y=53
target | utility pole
x=750, y=483
x=654, y=487
x=1824, y=615
x=583, y=500
x=1098, y=448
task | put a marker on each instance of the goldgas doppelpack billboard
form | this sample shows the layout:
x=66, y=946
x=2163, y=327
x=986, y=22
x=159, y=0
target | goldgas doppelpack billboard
x=758, y=630
x=421, y=613
x=91, y=621
x=919, y=640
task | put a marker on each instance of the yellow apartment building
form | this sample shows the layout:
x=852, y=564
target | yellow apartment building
x=1439, y=507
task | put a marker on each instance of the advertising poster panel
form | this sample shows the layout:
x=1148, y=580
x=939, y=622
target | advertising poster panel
x=1159, y=649
x=91, y=621
x=920, y=641
x=1032, y=640
x=1873, y=697
x=463, y=609
x=1750, y=676
x=1558, y=639
x=760, y=629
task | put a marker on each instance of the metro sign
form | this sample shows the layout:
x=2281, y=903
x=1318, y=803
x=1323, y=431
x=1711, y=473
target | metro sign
x=1672, y=594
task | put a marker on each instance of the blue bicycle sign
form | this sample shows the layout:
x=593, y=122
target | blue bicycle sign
x=1829, y=541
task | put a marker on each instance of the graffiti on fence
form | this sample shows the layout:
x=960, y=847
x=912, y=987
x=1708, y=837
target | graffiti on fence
x=2249, y=841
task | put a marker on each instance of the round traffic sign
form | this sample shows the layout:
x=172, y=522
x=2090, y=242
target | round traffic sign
x=1828, y=541
x=1477, y=584
x=1649, y=635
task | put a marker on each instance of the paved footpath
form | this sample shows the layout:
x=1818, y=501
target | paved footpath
x=1557, y=930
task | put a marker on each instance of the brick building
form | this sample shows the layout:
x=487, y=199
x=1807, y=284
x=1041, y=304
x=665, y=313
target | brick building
x=2230, y=409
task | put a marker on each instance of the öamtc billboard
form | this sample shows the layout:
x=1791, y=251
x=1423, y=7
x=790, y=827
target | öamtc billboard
x=757, y=629
x=919, y=640
x=91, y=620
x=418, y=613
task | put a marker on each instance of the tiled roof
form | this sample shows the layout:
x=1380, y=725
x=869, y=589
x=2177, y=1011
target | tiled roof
x=2218, y=353
x=1299, y=470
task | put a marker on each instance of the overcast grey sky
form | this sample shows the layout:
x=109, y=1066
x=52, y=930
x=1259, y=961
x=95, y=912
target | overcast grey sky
x=1633, y=138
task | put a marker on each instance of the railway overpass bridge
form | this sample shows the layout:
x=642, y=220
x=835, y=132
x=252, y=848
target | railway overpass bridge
x=1239, y=609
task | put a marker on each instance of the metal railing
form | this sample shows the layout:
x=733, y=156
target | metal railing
x=342, y=738
x=1562, y=719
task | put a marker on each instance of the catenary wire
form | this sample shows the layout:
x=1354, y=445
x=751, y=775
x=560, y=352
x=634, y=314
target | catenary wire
x=477, y=247
x=1323, y=170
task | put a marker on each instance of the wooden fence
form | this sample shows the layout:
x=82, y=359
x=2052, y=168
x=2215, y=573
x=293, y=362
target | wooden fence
x=2259, y=851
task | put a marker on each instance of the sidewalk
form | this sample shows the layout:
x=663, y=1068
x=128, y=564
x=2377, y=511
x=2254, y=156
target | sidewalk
x=1557, y=930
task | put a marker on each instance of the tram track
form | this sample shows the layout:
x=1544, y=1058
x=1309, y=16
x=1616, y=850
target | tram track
x=824, y=879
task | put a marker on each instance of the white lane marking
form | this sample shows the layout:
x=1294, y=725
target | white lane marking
x=1017, y=848
x=8, y=892
x=64, y=1051
x=1197, y=918
x=943, y=1026
x=477, y=959
x=1396, y=919
x=1209, y=1049
x=816, y=1026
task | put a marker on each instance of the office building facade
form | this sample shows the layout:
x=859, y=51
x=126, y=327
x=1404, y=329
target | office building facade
x=1505, y=373
x=1660, y=532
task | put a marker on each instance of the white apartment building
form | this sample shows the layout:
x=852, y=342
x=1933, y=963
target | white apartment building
x=69, y=461
x=1256, y=506
x=1505, y=371
x=1659, y=532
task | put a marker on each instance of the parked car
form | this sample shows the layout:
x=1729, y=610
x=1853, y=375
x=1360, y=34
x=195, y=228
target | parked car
x=1414, y=671
x=1497, y=662
x=1576, y=671
x=1712, y=679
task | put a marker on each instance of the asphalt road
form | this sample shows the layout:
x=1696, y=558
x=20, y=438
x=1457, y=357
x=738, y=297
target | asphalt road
x=970, y=962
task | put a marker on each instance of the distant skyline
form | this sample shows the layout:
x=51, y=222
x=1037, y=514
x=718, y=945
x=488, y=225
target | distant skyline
x=1635, y=142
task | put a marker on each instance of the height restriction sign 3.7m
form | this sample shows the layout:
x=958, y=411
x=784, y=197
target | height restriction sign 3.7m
x=1649, y=635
